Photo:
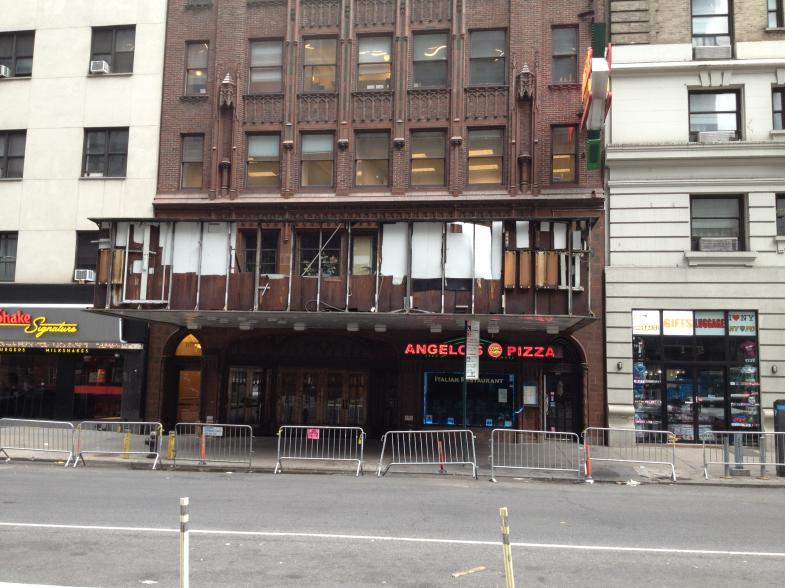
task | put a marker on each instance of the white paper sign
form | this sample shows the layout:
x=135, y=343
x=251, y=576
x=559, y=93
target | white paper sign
x=741, y=324
x=710, y=323
x=677, y=322
x=503, y=395
x=472, y=350
x=645, y=322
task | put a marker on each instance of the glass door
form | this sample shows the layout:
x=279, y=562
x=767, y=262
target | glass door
x=246, y=396
x=680, y=403
x=709, y=400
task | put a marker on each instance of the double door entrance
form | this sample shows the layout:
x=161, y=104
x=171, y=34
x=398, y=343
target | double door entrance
x=695, y=400
x=322, y=397
x=266, y=400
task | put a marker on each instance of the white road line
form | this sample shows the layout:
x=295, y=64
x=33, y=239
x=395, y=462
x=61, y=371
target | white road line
x=668, y=550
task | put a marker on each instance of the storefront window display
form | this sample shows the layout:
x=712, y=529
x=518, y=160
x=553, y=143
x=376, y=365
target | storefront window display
x=490, y=401
x=695, y=372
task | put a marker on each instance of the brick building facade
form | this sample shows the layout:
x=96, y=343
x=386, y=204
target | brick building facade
x=342, y=185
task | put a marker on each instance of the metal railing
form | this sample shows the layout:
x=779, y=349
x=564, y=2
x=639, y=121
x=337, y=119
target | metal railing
x=320, y=443
x=37, y=436
x=535, y=450
x=629, y=446
x=738, y=450
x=206, y=443
x=442, y=448
x=123, y=439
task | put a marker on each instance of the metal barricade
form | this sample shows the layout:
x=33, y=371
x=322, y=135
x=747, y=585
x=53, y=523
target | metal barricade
x=629, y=446
x=206, y=443
x=738, y=450
x=37, y=436
x=442, y=448
x=535, y=450
x=123, y=439
x=316, y=443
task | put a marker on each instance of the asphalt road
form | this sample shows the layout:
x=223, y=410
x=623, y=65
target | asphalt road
x=111, y=526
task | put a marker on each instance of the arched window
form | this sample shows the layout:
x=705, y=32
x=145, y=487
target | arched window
x=189, y=347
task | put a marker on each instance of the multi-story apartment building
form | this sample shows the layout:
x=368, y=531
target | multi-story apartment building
x=695, y=283
x=80, y=87
x=342, y=185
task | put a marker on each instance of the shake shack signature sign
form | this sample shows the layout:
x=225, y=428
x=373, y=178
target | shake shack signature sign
x=36, y=326
x=492, y=349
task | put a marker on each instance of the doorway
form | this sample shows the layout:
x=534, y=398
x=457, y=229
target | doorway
x=695, y=399
x=187, y=359
x=247, y=398
x=562, y=403
x=326, y=397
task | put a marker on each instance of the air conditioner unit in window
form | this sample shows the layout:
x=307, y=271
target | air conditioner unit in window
x=84, y=275
x=5, y=71
x=713, y=52
x=716, y=136
x=99, y=67
x=718, y=244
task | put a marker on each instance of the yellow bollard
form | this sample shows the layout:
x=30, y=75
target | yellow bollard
x=170, y=447
x=126, y=445
x=506, y=548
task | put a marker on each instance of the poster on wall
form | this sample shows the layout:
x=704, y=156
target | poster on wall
x=645, y=322
x=741, y=323
x=677, y=323
x=710, y=323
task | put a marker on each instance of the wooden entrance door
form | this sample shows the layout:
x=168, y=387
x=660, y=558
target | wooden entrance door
x=247, y=396
x=322, y=397
x=189, y=387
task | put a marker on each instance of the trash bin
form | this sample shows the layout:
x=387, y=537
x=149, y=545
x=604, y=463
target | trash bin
x=779, y=427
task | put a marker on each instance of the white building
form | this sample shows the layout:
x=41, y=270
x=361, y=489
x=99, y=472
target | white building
x=695, y=277
x=80, y=103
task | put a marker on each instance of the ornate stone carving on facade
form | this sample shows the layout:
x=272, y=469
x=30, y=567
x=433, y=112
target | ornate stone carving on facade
x=487, y=102
x=318, y=107
x=431, y=11
x=374, y=12
x=263, y=108
x=227, y=92
x=429, y=104
x=525, y=83
x=371, y=106
x=320, y=13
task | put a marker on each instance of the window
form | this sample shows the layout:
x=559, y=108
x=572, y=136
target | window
x=264, y=169
x=105, y=153
x=372, y=154
x=317, y=160
x=716, y=223
x=330, y=244
x=485, y=156
x=430, y=60
x=16, y=53
x=193, y=158
x=776, y=10
x=363, y=255
x=781, y=215
x=7, y=257
x=778, y=104
x=319, y=65
x=428, y=156
x=374, y=69
x=86, y=250
x=196, y=69
x=711, y=23
x=486, y=64
x=564, y=143
x=714, y=112
x=266, y=67
x=12, y=154
x=267, y=256
x=565, y=55
x=115, y=46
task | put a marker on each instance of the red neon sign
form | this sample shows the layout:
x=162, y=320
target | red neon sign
x=493, y=350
